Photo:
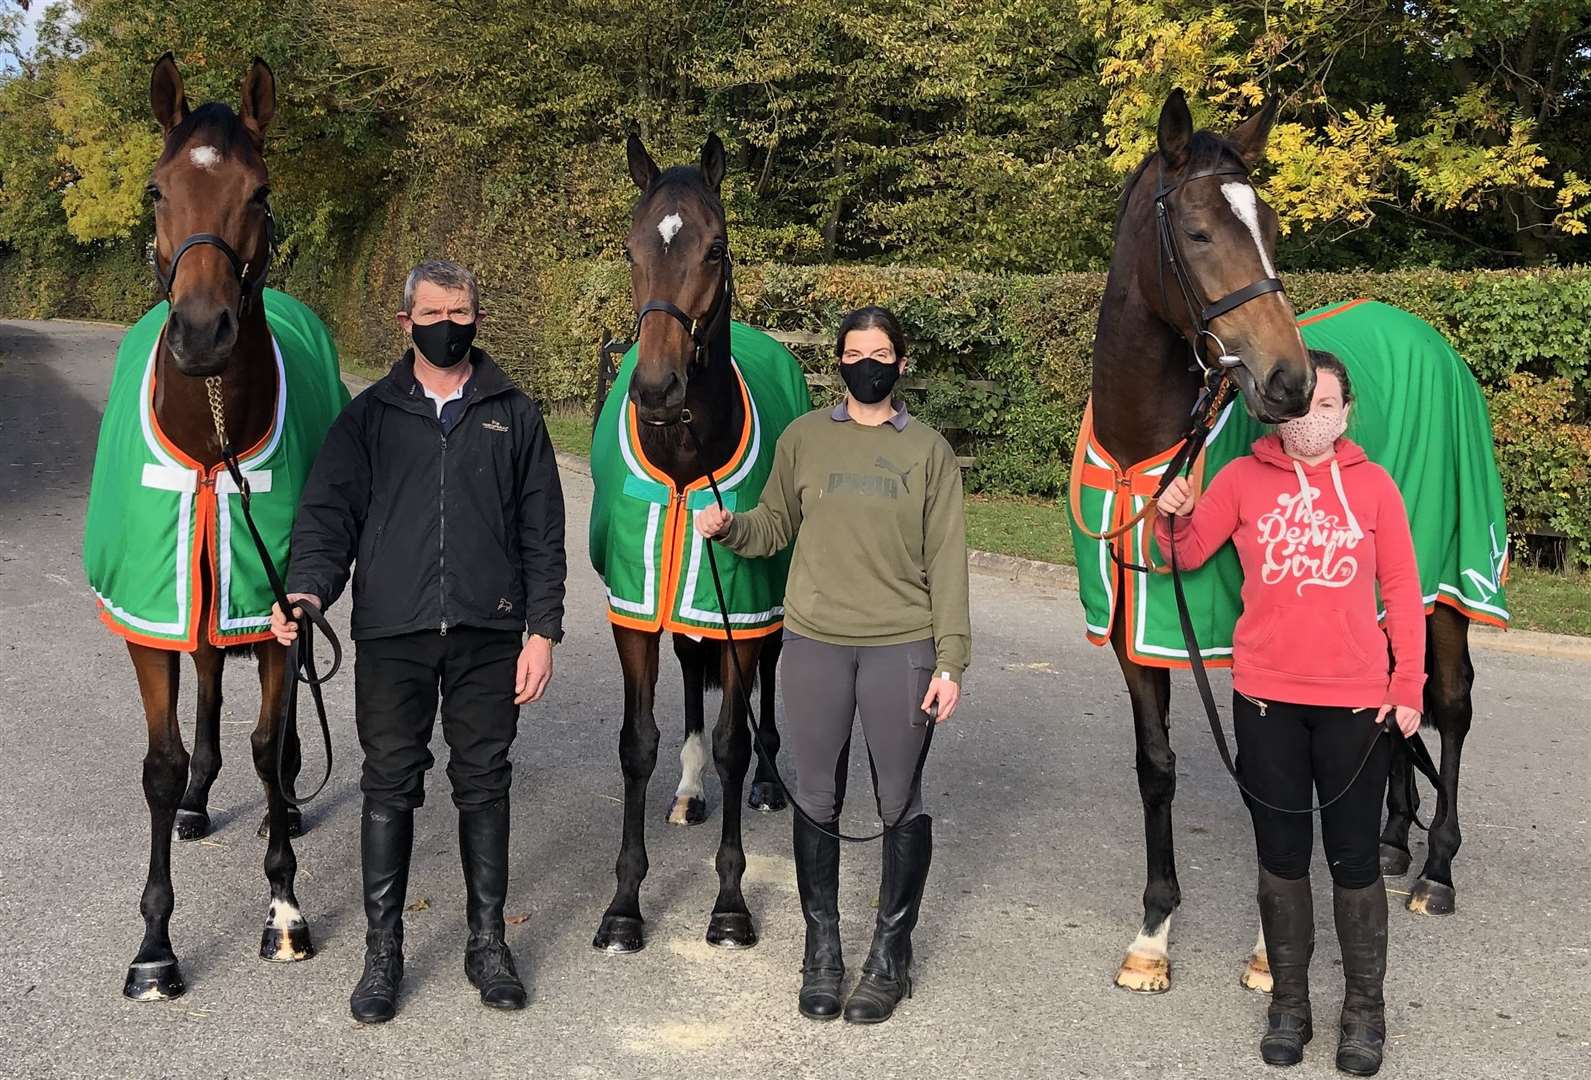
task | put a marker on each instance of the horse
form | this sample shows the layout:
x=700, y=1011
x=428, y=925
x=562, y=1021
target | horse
x=1193, y=265
x=687, y=401
x=210, y=183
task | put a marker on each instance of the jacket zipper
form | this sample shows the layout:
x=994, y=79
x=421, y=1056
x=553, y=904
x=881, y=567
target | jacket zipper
x=1256, y=702
x=441, y=582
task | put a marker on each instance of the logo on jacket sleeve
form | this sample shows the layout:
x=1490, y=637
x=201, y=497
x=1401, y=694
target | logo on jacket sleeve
x=494, y=425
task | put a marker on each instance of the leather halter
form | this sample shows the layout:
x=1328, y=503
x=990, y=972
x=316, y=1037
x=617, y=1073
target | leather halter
x=250, y=290
x=1201, y=314
x=702, y=330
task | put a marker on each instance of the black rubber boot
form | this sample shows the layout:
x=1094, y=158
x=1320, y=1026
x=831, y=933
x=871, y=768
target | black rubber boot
x=385, y=839
x=483, y=849
x=817, y=859
x=886, y=976
x=1287, y=914
x=1362, y=931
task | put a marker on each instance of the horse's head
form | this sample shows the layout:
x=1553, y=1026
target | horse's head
x=1207, y=259
x=212, y=223
x=678, y=251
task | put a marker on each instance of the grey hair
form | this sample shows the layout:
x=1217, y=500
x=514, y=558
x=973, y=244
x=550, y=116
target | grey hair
x=449, y=275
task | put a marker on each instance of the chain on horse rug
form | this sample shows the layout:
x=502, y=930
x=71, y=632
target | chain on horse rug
x=1417, y=412
x=154, y=512
x=642, y=543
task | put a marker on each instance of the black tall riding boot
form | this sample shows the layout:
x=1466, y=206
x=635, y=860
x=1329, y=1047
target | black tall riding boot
x=1362, y=931
x=817, y=859
x=886, y=976
x=385, y=839
x=483, y=848
x=1287, y=914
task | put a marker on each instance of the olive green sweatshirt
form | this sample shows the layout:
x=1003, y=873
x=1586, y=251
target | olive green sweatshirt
x=880, y=537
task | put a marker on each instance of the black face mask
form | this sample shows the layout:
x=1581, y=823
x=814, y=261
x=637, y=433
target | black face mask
x=869, y=380
x=444, y=342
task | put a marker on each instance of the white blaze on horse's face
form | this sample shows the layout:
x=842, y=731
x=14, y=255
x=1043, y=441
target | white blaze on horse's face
x=669, y=227
x=1245, y=204
x=205, y=157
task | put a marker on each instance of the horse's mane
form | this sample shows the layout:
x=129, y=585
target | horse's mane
x=216, y=122
x=1205, y=150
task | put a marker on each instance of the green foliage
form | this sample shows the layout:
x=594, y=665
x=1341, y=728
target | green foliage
x=1545, y=462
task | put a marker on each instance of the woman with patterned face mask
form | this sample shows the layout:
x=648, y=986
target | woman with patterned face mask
x=1317, y=527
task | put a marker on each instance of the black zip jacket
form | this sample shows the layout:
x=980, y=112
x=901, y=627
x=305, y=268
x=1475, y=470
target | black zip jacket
x=463, y=529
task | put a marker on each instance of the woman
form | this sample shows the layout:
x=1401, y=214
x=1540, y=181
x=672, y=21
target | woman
x=1317, y=527
x=876, y=621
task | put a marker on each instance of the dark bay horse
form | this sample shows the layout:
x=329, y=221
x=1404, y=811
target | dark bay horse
x=678, y=251
x=1144, y=387
x=210, y=180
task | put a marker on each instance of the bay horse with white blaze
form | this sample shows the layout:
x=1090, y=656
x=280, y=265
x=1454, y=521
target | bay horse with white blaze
x=211, y=183
x=1194, y=265
x=682, y=285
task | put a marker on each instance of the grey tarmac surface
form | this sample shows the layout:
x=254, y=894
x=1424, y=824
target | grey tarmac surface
x=1033, y=898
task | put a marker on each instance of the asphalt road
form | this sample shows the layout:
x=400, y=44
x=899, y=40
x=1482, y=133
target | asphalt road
x=1033, y=897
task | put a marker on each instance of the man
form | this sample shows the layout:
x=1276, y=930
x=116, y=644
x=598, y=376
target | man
x=438, y=483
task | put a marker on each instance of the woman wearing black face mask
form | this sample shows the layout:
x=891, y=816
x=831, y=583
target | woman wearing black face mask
x=876, y=622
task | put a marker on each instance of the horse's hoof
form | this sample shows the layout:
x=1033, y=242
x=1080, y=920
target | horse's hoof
x=619, y=934
x=1257, y=973
x=766, y=797
x=1431, y=898
x=286, y=944
x=691, y=810
x=1144, y=974
x=1394, y=861
x=295, y=825
x=159, y=980
x=192, y=825
x=731, y=930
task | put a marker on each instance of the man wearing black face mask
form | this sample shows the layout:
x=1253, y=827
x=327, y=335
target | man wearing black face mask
x=438, y=483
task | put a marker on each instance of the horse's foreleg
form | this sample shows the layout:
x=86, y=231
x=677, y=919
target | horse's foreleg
x=193, y=815
x=1147, y=965
x=767, y=795
x=1449, y=682
x=620, y=929
x=690, y=800
x=292, y=756
x=155, y=974
x=730, y=926
x=1403, y=799
x=286, y=934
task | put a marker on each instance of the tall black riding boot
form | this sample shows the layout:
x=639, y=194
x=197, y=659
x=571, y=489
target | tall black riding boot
x=817, y=859
x=483, y=848
x=1362, y=931
x=1287, y=914
x=385, y=839
x=886, y=976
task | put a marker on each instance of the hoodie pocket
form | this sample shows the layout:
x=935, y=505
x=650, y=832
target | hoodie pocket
x=1253, y=634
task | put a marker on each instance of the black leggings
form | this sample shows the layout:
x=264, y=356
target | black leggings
x=1285, y=750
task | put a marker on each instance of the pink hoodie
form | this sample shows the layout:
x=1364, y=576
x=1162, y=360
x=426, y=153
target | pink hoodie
x=1314, y=541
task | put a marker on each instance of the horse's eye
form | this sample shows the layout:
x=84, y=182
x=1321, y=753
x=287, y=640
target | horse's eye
x=152, y=192
x=262, y=194
x=1199, y=237
x=716, y=252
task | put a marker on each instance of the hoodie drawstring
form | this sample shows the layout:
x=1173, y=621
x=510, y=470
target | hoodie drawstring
x=1306, y=496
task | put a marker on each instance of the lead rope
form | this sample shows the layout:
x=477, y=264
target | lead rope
x=301, y=653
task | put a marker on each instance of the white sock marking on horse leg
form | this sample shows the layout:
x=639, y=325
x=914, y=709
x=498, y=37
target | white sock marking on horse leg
x=692, y=761
x=1245, y=204
x=205, y=157
x=1152, y=943
x=1259, y=944
x=669, y=227
x=284, y=916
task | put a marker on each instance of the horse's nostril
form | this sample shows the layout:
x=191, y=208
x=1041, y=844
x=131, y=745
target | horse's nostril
x=224, y=330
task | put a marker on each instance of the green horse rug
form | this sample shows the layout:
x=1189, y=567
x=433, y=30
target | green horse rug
x=642, y=543
x=154, y=512
x=1417, y=412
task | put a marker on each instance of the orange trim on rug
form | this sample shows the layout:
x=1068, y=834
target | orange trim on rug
x=1338, y=310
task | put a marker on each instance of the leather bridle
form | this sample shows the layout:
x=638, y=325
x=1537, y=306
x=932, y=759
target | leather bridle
x=702, y=331
x=250, y=290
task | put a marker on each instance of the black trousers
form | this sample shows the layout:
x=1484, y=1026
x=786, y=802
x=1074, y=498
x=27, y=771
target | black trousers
x=396, y=684
x=1287, y=750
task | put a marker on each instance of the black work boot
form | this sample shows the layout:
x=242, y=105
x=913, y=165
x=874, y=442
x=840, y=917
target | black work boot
x=817, y=859
x=483, y=848
x=1362, y=931
x=886, y=976
x=1287, y=914
x=385, y=839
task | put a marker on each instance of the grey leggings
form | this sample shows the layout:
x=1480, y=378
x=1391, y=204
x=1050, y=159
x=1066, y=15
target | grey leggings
x=824, y=687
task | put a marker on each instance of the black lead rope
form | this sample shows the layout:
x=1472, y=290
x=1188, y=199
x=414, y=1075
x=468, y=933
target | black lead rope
x=300, y=654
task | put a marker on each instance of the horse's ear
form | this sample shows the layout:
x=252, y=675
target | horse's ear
x=713, y=161
x=166, y=98
x=643, y=170
x=1251, y=134
x=1176, y=130
x=259, y=99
